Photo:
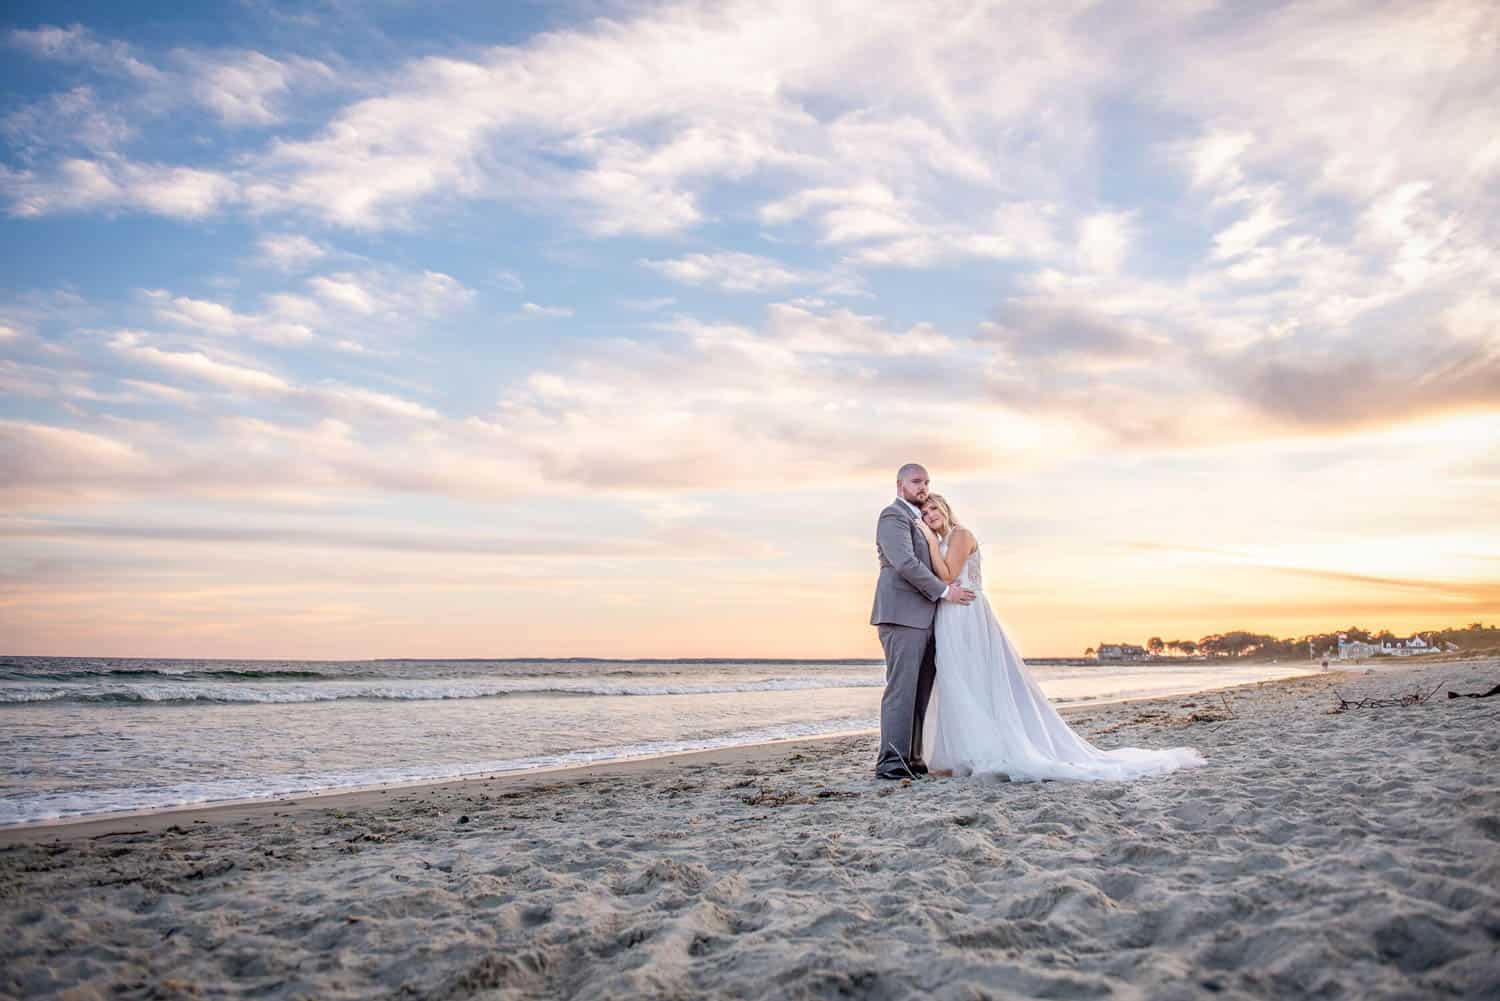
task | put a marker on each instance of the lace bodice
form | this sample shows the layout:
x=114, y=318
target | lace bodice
x=969, y=576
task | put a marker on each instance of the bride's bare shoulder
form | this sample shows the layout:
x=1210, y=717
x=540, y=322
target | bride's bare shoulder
x=963, y=537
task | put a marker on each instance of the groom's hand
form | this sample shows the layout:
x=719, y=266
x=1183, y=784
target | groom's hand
x=960, y=595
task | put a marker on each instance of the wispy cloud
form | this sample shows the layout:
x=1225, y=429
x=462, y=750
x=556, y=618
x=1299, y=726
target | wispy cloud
x=76, y=44
x=332, y=537
x=113, y=182
x=290, y=250
x=247, y=88
x=197, y=365
x=555, y=312
x=217, y=318
x=730, y=271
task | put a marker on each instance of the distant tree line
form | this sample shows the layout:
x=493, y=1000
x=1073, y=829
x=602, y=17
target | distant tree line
x=1242, y=643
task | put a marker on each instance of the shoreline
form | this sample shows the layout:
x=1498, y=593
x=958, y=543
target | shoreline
x=155, y=820
x=152, y=821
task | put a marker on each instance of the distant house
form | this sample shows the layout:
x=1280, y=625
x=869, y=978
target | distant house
x=1405, y=648
x=1356, y=649
x=1121, y=651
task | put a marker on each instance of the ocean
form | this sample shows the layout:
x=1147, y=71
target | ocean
x=85, y=736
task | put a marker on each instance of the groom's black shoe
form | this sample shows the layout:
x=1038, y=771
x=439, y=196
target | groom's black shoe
x=913, y=769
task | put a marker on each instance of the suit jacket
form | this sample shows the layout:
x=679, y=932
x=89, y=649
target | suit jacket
x=907, y=591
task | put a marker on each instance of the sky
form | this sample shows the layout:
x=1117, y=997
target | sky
x=447, y=329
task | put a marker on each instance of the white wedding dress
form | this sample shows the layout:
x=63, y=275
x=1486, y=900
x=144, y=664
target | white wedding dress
x=988, y=717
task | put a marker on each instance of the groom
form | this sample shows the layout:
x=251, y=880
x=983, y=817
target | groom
x=906, y=599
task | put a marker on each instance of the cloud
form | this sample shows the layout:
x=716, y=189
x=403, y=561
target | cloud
x=842, y=332
x=1103, y=240
x=1065, y=331
x=1124, y=365
x=44, y=463
x=358, y=400
x=1280, y=265
x=330, y=537
x=649, y=304
x=846, y=214
x=71, y=121
x=75, y=141
x=925, y=162
x=651, y=136
x=716, y=405
x=386, y=294
x=196, y=365
x=290, y=251
x=50, y=467
x=730, y=271
x=720, y=405
x=241, y=87
x=216, y=318
x=554, y=312
x=247, y=88
x=619, y=201
x=1451, y=365
x=1476, y=592
x=1213, y=160
x=1291, y=112
x=76, y=44
x=157, y=389
x=711, y=405
x=344, y=291
x=113, y=182
x=370, y=303
x=329, y=396
x=1142, y=369
x=885, y=230
x=1263, y=219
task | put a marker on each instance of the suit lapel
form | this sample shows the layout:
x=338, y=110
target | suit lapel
x=918, y=542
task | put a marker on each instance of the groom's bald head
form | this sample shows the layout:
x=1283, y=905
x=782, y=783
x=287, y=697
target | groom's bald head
x=911, y=483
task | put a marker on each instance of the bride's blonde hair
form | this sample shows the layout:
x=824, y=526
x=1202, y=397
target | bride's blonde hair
x=941, y=503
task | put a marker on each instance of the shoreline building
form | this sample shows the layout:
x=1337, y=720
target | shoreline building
x=1359, y=649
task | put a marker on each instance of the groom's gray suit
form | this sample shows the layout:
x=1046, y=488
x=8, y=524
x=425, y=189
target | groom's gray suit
x=906, y=599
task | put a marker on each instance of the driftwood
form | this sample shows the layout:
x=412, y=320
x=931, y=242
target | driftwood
x=1410, y=699
x=1475, y=695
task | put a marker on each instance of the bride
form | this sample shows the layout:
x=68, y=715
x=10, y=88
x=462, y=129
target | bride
x=987, y=716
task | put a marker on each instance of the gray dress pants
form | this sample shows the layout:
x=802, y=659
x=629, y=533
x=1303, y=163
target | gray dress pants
x=910, y=668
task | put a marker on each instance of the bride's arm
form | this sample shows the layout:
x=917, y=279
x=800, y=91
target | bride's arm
x=960, y=545
x=939, y=565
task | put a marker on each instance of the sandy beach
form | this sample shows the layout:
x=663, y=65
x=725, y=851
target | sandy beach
x=1326, y=855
